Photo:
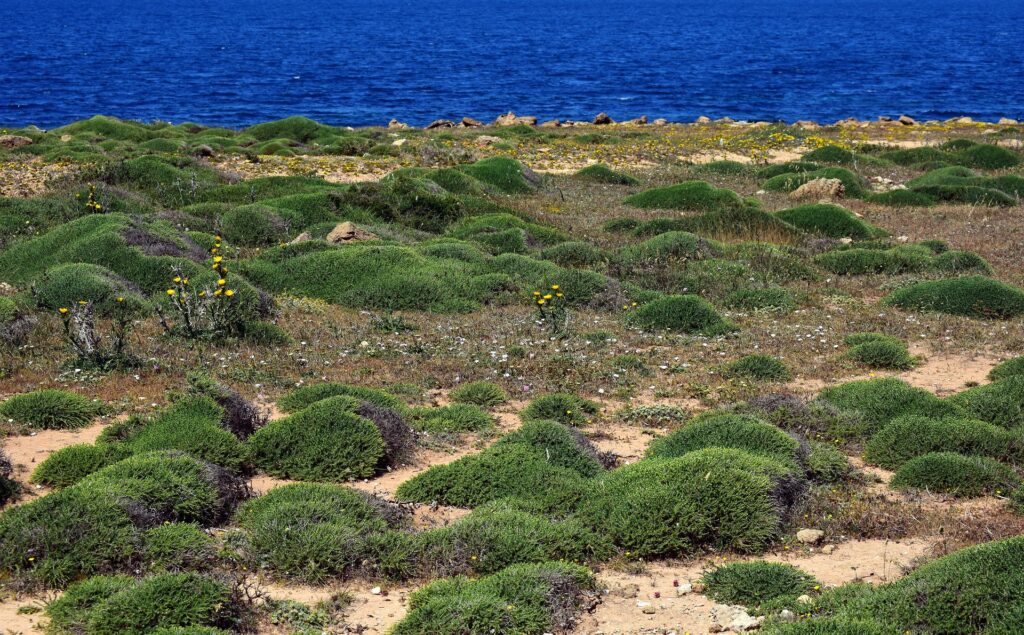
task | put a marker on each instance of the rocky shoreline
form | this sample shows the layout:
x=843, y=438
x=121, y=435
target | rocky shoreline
x=603, y=119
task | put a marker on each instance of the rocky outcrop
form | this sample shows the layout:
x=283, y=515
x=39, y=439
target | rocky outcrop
x=511, y=119
x=469, y=122
x=602, y=119
x=819, y=189
x=440, y=123
x=11, y=141
x=394, y=123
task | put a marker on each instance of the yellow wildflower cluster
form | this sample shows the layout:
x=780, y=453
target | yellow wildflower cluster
x=548, y=298
x=91, y=204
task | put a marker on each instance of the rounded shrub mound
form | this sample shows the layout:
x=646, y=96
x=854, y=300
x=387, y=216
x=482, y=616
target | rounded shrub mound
x=789, y=181
x=882, y=353
x=254, y=226
x=904, y=438
x=883, y=399
x=672, y=507
x=972, y=296
x=902, y=198
x=601, y=173
x=326, y=441
x=310, y=531
x=681, y=314
x=70, y=464
x=574, y=253
x=955, y=474
x=504, y=174
x=177, y=547
x=50, y=409
x=480, y=393
x=1010, y=368
x=760, y=367
x=729, y=431
x=524, y=598
x=830, y=154
x=307, y=395
x=459, y=417
x=829, y=220
x=64, y=285
x=987, y=157
x=512, y=470
x=698, y=196
x=562, y=407
x=754, y=583
x=962, y=262
x=560, y=445
x=859, y=262
x=770, y=299
x=1001, y=402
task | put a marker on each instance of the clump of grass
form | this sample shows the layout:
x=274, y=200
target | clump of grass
x=561, y=445
x=962, y=262
x=459, y=417
x=830, y=154
x=178, y=547
x=955, y=474
x=972, y=296
x=306, y=396
x=1001, y=402
x=740, y=432
x=987, y=157
x=300, y=129
x=883, y=399
x=1010, y=368
x=575, y=253
x=698, y=196
x=564, y=408
x=480, y=393
x=760, y=367
x=863, y=261
x=752, y=584
x=71, y=464
x=769, y=299
x=681, y=314
x=64, y=285
x=503, y=174
x=325, y=441
x=830, y=220
x=908, y=437
x=51, y=409
x=879, y=351
x=902, y=198
x=787, y=182
x=601, y=173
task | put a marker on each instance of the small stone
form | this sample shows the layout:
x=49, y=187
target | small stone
x=13, y=141
x=703, y=119
x=810, y=536
x=647, y=610
x=902, y=239
x=486, y=140
x=787, y=615
x=375, y=590
x=602, y=119
x=807, y=125
x=441, y=123
x=551, y=123
x=660, y=121
x=698, y=587
x=819, y=188
x=907, y=121
x=394, y=123
x=398, y=143
x=639, y=121
x=469, y=122
x=684, y=589
x=805, y=599
x=1006, y=121
x=885, y=118
x=828, y=549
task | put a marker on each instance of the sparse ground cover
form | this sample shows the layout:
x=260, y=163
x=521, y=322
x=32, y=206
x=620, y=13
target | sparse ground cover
x=491, y=378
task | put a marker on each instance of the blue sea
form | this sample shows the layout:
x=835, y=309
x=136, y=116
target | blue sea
x=235, y=62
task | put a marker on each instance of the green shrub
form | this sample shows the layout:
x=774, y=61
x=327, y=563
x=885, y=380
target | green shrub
x=505, y=233
x=177, y=547
x=254, y=226
x=972, y=296
x=108, y=128
x=962, y=262
x=772, y=299
x=666, y=247
x=504, y=174
x=511, y=470
x=564, y=408
x=617, y=225
x=829, y=220
x=306, y=396
x=914, y=156
x=788, y=182
x=165, y=600
x=955, y=474
x=672, y=507
x=558, y=444
x=300, y=129
x=266, y=334
x=790, y=167
x=826, y=464
x=754, y=583
x=723, y=166
x=987, y=157
x=480, y=393
x=904, y=438
x=881, y=400
x=902, y=198
x=50, y=409
x=682, y=314
x=698, y=196
x=574, y=253
x=526, y=598
x=65, y=285
x=1010, y=368
x=459, y=417
x=499, y=534
x=830, y=154
x=601, y=173
x=858, y=261
x=325, y=441
x=312, y=532
x=72, y=463
x=882, y=353
x=70, y=612
x=1001, y=402
x=760, y=367
x=741, y=432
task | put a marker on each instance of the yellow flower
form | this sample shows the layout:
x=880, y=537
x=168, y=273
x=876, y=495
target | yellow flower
x=82, y=302
x=217, y=238
x=218, y=292
x=185, y=281
x=170, y=292
x=558, y=295
x=221, y=282
x=536, y=293
x=202, y=294
x=218, y=258
x=229, y=293
x=541, y=301
x=547, y=297
x=120, y=299
x=63, y=310
x=177, y=278
x=555, y=287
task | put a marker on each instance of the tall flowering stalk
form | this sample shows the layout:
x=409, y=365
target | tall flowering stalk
x=202, y=311
x=552, y=311
x=93, y=349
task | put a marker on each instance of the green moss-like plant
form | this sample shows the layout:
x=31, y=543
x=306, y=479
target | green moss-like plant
x=301, y=129
x=830, y=154
x=955, y=474
x=902, y=198
x=769, y=299
x=904, y=438
x=881, y=400
x=962, y=262
x=601, y=173
x=564, y=408
x=480, y=393
x=503, y=174
x=70, y=464
x=306, y=396
x=559, y=444
x=987, y=157
x=177, y=547
x=882, y=352
x=575, y=253
x=740, y=432
x=829, y=220
x=754, y=583
x=325, y=441
x=759, y=367
x=698, y=196
x=70, y=612
x=1001, y=402
x=972, y=296
x=681, y=314
x=862, y=261
x=1010, y=368
x=459, y=417
x=50, y=409
x=65, y=285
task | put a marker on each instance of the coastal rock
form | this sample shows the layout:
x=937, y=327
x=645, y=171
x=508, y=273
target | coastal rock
x=961, y=120
x=660, y=121
x=511, y=119
x=849, y=122
x=394, y=123
x=818, y=189
x=10, y=141
x=807, y=125
x=203, y=151
x=639, y=121
x=1006, y=121
x=907, y=120
x=551, y=123
x=398, y=143
x=703, y=119
x=733, y=618
x=485, y=140
x=347, y=232
x=602, y=119
x=884, y=119
x=810, y=536
x=469, y=122
x=441, y=123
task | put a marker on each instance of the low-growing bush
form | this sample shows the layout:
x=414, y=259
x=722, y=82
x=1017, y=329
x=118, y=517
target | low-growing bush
x=902, y=198
x=858, y=261
x=880, y=352
x=697, y=196
x=562, y=407
x=574, y=253
x=826, y=464
x=480, y=393
x=972, y=296
x=560, y=445
x=1001, y=402
x=459, y=417
x=904, y=438
x=882, y=399
x=829, y=220
x=303, y=397
x=682, y=314
x=325, y=441
x=962, y=262
x=955, y=474
x=177, y=547
x=830, y=154
x=50, y=409
x=601, y=173
x=504, y=174
x=771, y=299
x=760, y=367
x=741, y=432
x=1010, y=368
x=987, y=157
x=788, y=182
x=70, y=464
x=754, y=583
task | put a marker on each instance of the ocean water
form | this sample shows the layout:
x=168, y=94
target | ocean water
x=235, y=62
